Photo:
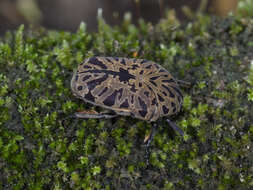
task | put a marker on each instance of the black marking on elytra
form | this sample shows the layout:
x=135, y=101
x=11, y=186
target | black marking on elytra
x=132, y=99
x=95, y=61
x=143, y=113
x=143, y=61
x=168, y=89
x=162, y=70
x=160, y=98
x=87, y=67
x=89, y=97
x=141, y=72
x=135, y=66
x=154, y=78
x=133, y=89
x=116, y=58
x=148, y=67
x=150, y=73
x=103, y=91
x=154, y=102
x=123, y=62
x=92, y=84
x=174, y=110
x=177, y=90
x=79, y=88
x=124, y=104
x=165, y=109
x=124, y=75
x=120, y=91
x=173, y=104
x=153, y=82
x=168, y=81
x=86, y=77
x=149, y=88
x=110, y=100
x=142, y=104
x=164, y=93
x=157, y=66
x=76, y=77
x=146, y=93
x=140, y=84
x=109, y=60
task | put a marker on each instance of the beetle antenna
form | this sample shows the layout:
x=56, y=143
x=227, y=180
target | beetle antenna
x=68, y=117
x=175, y=127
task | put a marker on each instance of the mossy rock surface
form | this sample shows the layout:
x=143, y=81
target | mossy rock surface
x=41, y=148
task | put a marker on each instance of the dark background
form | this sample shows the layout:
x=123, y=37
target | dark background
x=67, y=14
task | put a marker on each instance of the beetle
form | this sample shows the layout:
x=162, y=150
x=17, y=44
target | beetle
x=129, y=87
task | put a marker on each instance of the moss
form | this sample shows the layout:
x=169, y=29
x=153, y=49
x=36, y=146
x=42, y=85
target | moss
x=42, y=147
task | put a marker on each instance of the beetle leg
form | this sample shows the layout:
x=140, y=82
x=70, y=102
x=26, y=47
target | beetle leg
x=175, y=127
x=151, y=134
x=148, y=139
x=94, y=115
x=183, y=83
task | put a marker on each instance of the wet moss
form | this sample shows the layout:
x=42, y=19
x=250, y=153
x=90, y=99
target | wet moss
x=42, y=147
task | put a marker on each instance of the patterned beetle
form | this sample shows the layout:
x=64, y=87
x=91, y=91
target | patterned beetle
x=130, y=87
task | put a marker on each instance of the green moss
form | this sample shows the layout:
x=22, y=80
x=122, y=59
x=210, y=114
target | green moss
x=245, y=8
x=42, y=147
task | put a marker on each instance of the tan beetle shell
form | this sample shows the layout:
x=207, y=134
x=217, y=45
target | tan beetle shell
x=130, y=87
